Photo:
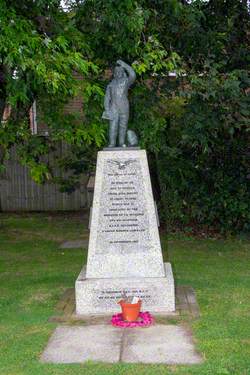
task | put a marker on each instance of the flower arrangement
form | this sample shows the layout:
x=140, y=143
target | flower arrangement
x=146, y=320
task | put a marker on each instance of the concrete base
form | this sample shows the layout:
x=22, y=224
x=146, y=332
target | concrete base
x=100, y=296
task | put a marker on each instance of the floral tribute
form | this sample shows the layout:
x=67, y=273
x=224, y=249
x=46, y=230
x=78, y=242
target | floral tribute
x=145, y=319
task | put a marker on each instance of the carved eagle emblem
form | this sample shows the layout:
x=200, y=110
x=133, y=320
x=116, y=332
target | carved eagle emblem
x=122, y=164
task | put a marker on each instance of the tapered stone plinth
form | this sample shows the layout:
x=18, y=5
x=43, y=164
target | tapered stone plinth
x=124, y=254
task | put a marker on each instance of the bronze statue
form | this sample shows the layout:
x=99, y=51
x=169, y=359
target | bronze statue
x=116, y=103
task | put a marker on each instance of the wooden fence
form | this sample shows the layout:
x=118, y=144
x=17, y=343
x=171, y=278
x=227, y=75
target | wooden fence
x=18, y=192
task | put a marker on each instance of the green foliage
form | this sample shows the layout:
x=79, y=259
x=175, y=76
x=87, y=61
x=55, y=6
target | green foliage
x=40, y=48
x=204, y=170
x=194, y=127
x=35, y=61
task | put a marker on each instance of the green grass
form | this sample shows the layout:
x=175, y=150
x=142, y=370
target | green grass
x=34, y=272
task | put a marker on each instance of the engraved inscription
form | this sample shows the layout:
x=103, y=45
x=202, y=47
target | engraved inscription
x=123, y=217
x=105, y=297
x=117, y=294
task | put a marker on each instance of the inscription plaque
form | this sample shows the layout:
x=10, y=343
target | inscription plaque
x=123, y=215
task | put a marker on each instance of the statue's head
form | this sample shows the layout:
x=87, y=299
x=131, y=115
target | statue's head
x=119, y=72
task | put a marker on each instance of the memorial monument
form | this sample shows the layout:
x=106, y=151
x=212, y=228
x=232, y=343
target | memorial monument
x=124, y=254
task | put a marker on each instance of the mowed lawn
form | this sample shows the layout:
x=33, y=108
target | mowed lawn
x=34, y=272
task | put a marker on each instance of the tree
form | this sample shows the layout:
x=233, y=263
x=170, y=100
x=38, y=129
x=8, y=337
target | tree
x=192, y=126
x=39, y=50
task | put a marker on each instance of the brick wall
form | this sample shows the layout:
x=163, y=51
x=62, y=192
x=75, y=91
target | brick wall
x=74, y=106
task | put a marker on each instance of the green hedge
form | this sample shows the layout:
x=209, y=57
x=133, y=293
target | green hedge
x=197, y=134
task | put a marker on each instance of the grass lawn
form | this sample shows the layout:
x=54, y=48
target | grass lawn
x=34, y=273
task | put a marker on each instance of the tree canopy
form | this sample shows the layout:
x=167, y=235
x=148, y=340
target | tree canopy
x=40, y=48
x=195, y=126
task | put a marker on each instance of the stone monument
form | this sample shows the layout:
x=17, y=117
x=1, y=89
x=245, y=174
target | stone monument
x=124, y=254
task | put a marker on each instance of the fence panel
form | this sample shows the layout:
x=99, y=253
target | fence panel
x=18, y=192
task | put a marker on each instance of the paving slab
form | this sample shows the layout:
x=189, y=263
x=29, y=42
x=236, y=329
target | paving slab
x=75, y=244
x=169, y=344
x=79, y=344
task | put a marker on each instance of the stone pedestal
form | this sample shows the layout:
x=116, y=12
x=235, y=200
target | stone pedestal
x=124, y=252
x=100, y=296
